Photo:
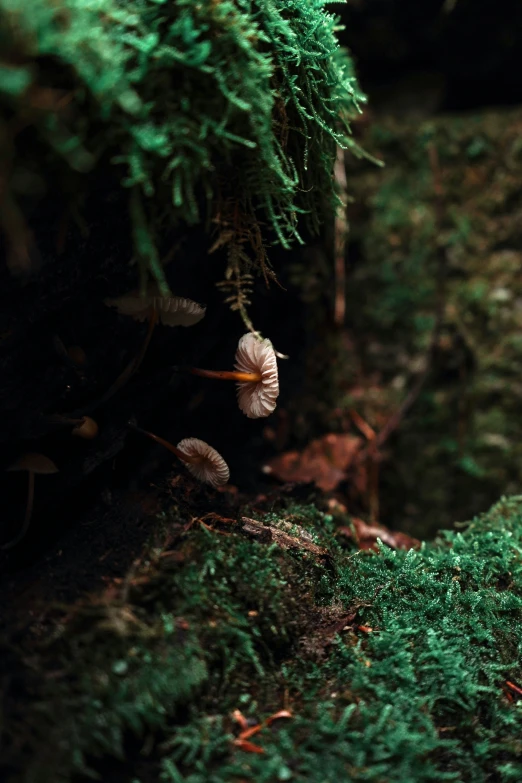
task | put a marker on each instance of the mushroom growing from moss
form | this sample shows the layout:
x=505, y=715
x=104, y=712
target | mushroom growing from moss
x=154, y=308
x=204, y=462
x=34, y=464
x=256, y=376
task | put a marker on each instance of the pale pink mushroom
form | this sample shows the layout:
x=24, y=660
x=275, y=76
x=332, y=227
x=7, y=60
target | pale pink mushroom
x=257, y=398
x=256, y=375
x=204, y=462
x=170, y=310
x=151, y=307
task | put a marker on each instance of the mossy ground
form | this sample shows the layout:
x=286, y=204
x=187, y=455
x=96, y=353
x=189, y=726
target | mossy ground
x=392, y=663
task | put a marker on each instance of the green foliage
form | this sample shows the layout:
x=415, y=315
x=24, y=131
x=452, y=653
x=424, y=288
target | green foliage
x=234, y=106
x=221, y=623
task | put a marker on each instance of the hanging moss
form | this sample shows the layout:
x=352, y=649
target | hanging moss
x=227, y=112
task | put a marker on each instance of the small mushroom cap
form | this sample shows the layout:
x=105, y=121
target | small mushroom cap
x=87, y=430
x=177, y=311
x=138, y=307
x=210, y=467
x=171, y=310
x=257, y=398
x=34, y=463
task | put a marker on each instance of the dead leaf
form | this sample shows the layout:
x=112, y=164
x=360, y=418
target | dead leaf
x=366, y=535
x=324, y=461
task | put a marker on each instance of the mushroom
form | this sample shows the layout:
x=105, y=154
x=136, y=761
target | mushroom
x=255, y=373
x=204, y=462
x=33, y=463
x=152, y=307
x=84, y=427
x=171, y=310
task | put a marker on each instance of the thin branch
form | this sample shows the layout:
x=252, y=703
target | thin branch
x=340, y=234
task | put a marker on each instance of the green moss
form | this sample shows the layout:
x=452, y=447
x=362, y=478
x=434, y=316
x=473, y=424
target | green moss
x=220, y=622
x=225, y=111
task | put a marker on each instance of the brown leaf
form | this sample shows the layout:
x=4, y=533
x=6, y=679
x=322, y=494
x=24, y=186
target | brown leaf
x=324, y=461
x=366, y=535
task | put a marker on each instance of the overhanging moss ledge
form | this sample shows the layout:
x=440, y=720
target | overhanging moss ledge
x=227, y=112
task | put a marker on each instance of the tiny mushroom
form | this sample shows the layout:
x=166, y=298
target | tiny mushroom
x=257, y=398
x=256, y=376
x=33, y=463
x=152, y=307
x=170, y=310
x=86, y=428
x=204, y=462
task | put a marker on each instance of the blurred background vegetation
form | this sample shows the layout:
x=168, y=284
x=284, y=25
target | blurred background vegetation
x=433, y=260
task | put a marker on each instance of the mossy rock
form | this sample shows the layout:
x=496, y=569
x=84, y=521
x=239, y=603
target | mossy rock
x=390, y=665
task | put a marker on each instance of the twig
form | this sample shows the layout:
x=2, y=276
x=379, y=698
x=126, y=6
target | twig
x=373, y=465
x=268, y=534
x=340, y=234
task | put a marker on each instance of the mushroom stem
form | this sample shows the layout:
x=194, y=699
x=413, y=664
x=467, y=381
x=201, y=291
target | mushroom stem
x=179, y=454
x=227, y=375
x=135, y=363
x=153, y=320
x=28, y=514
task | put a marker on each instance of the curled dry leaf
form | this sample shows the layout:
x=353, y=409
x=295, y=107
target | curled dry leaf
x=324, y=461
x=366, y=535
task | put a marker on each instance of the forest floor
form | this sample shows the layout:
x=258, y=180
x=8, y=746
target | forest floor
x=263, y=638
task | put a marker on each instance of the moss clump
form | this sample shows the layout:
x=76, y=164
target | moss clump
x=221, y=622
x=225, y=110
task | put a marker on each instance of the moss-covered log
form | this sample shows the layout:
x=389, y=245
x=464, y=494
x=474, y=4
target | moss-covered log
x=387, y=665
